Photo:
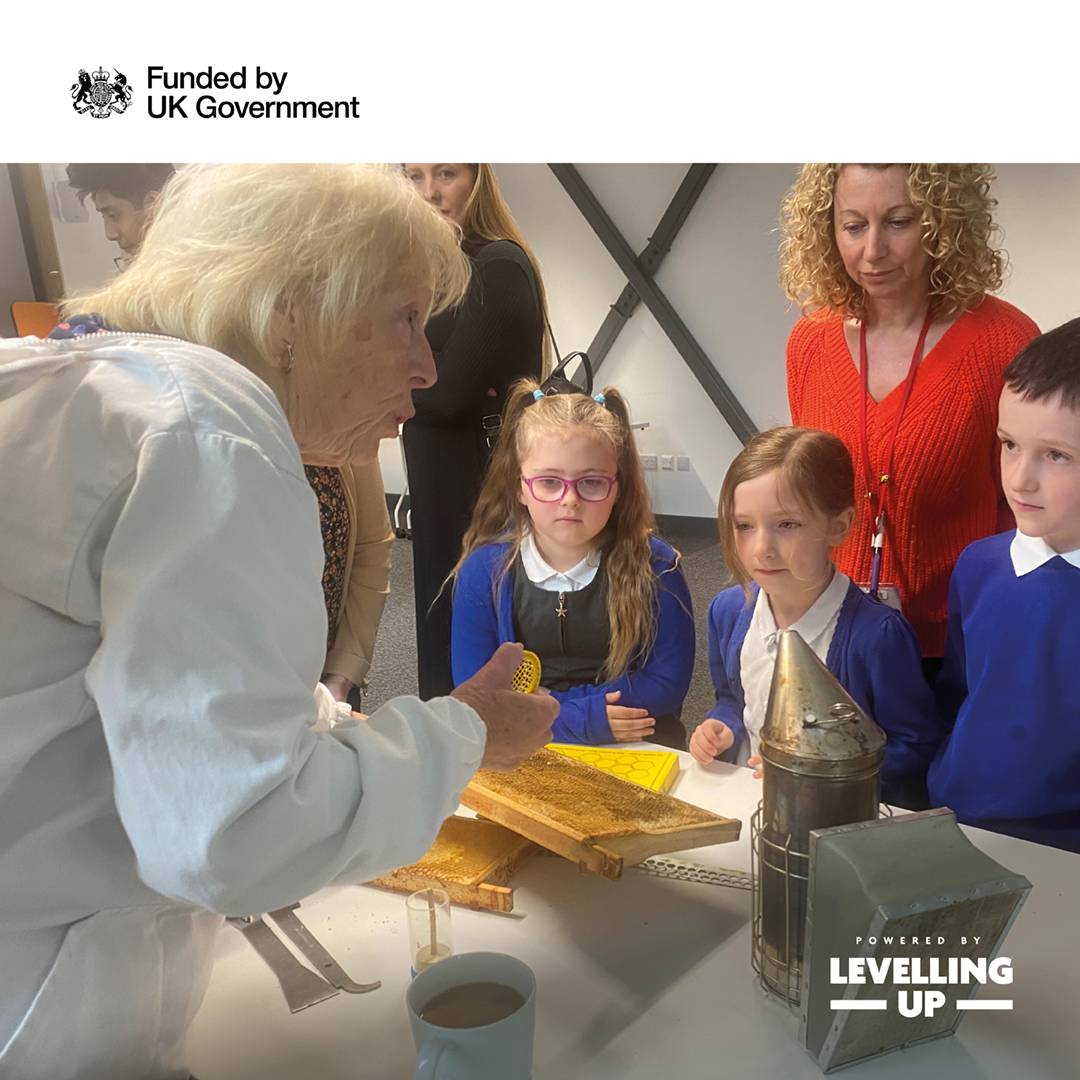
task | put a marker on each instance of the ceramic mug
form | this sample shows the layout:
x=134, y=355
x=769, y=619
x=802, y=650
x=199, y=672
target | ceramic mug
x=501, y=1050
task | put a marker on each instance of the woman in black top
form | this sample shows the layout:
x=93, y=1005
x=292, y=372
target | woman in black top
x=493, y=338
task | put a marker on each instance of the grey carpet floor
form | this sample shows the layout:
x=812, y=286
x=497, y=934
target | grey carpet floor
x=393, y=669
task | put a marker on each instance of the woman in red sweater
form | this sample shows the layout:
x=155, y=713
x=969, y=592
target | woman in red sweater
x=900, y=353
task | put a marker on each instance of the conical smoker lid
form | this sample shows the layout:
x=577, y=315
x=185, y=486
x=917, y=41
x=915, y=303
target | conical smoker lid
x=812, y=725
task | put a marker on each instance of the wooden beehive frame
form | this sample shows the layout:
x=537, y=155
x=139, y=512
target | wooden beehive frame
x=472, y=860
x=540, y=800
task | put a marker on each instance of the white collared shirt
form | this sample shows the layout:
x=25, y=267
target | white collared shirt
x=1030, y=552
x=758, y=656
x=551, y=580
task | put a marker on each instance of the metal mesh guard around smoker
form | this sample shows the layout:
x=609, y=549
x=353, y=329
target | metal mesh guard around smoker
x=779, y=970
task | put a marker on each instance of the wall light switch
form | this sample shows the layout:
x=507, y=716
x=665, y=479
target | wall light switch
x=648, y=462
x=682, y=463
x=667, y=461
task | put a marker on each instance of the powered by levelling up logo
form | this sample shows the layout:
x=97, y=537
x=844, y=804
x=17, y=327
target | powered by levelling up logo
x=99, y=94
x=952, y=979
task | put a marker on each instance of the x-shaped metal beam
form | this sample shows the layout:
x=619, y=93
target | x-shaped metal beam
x=639, y=271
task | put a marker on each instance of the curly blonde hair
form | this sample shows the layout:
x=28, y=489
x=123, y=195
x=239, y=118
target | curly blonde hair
x=958, y=233
x=500, y=517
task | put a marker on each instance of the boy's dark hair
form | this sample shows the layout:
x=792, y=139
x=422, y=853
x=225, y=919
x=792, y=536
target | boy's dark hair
x=1048, y=366
x=131, y=182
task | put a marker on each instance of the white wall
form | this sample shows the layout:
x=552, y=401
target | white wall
x=721, y=277
x=86, y=257
x=15, y=281
x=1039, y=211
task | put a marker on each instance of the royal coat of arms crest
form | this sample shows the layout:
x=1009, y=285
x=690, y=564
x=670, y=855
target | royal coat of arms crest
x=100, y=95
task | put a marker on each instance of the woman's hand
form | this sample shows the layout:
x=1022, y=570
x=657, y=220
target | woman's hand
x=517, y=724
x=627, y=724
x=710, y=739
x=755, y=764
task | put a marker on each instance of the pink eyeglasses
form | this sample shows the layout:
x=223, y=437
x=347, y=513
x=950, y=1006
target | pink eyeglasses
x=550, y=489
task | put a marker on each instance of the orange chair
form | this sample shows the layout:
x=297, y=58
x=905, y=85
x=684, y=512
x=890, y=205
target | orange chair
x=33, y=318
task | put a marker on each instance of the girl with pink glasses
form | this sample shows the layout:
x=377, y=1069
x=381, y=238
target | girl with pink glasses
x=562, y=556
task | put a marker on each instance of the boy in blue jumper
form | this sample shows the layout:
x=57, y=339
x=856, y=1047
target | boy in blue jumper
x=1009, y=687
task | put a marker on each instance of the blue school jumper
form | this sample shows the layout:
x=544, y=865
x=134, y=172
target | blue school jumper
x=1009, y=692
x=874, y=656
x=483, y=621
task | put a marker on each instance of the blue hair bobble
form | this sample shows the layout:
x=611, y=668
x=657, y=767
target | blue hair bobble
x=540, y=394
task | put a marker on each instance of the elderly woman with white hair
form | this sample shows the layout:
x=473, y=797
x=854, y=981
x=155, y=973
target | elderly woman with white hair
x=162, y=625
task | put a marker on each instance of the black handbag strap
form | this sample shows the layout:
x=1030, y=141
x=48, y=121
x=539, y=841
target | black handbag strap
x=558, y=382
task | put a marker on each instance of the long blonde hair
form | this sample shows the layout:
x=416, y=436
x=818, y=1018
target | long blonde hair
x=958, y=233
x=500, y=517
x=487, y=216
x=230, y=244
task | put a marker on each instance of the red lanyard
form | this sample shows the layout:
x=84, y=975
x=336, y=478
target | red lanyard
x=885, y=477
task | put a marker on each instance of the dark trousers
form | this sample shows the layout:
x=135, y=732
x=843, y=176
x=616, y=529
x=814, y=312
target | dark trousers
x=931, y=668
x=446, y=468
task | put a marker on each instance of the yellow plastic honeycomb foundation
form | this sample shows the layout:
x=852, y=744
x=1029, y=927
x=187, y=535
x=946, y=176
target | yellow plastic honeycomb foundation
x=653, y=769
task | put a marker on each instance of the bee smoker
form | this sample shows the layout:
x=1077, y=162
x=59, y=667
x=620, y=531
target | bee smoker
x=821, y=756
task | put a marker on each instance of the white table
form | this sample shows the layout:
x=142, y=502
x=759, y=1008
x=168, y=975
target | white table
x=637, y=978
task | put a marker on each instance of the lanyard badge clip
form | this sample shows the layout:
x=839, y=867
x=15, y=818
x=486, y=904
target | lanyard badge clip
x=876, y=546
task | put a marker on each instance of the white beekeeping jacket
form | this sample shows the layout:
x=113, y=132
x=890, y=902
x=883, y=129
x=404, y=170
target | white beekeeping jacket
x=162, y=630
